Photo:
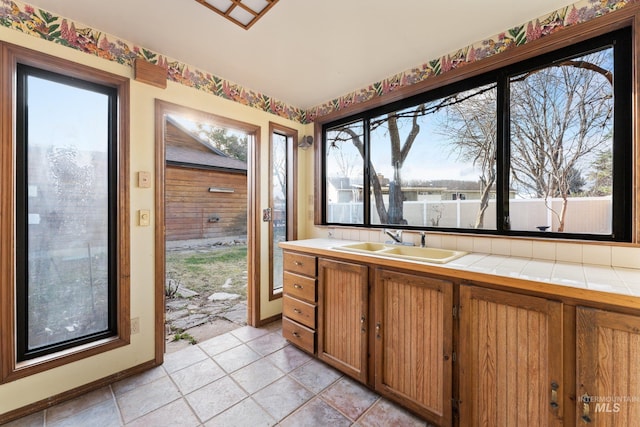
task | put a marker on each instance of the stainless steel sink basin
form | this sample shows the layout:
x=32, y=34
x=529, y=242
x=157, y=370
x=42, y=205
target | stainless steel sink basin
x=433, y=255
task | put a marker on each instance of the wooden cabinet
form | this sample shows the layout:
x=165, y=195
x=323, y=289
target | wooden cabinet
x=607, y=368
x=478, y=354
x=343, y=316
x=510, y=359
x=413, y=342
x=299, y=300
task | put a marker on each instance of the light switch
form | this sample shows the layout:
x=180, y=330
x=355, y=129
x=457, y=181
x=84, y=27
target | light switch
x=144, y=217
x=144, y=179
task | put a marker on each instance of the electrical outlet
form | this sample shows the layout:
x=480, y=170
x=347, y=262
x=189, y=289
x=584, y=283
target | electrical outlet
x=135, y=325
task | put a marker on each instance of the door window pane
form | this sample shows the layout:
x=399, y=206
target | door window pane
x=278, y=204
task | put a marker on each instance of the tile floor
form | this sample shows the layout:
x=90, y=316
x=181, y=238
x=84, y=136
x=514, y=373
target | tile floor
x=246, y=377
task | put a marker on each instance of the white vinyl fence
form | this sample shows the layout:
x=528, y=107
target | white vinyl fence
x=584, y=214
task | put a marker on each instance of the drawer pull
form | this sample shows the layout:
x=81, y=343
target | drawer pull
x=295, y=310
x=295, y=285
x=295, y=334
x=298, y=263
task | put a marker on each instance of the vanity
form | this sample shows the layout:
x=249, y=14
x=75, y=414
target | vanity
x=474, y=340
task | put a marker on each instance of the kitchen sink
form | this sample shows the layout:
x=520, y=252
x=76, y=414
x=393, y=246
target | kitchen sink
x=414, y=253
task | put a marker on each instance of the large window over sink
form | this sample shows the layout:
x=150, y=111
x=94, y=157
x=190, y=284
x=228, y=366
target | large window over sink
x=538, y=148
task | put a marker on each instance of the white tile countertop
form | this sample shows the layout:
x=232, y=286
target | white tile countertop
x=612, y=280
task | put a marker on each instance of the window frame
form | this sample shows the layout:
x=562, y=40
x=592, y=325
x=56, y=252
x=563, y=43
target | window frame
x=622, y=207
x=11, y=368
x=291, y=136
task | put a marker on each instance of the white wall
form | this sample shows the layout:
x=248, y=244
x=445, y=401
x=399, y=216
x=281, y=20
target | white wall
x=16, y=394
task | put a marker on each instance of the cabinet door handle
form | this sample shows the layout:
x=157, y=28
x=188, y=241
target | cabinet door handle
x=586, y=416
x=362, y=319
x=295, y=285
x=554, y=394
x=378, y=327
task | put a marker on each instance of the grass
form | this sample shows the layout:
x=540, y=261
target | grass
x=205, y=271
x=185, y=336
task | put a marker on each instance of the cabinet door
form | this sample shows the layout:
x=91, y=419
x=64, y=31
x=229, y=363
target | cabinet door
x=342, y=316
x=413, y=342
x=608, y=368
x=510, y=356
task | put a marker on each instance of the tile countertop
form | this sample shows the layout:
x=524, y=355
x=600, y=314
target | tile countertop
x=620, y=286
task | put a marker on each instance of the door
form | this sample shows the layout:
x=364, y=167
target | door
x=608, y=359
x=190, y=149
x=413, y=342
x=343, y=316
x=510, y=359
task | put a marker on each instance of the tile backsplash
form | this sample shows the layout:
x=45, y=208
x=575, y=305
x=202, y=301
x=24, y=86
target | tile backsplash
x=570, y=252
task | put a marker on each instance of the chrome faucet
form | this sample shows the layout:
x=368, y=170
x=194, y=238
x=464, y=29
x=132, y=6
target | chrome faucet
x=396, y=235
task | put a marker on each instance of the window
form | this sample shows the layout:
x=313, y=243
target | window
x=282, y=200
x=538, y=148
x=66, y=289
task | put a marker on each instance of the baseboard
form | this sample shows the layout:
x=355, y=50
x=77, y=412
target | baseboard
x=73, y=393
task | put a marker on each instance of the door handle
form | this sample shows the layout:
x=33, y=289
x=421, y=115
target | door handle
x=554, y=395
x=586, y=416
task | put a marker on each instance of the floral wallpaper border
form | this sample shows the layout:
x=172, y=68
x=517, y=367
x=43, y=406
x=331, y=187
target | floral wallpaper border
x=40, y=23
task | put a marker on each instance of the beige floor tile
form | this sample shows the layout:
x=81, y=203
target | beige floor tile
x=147, y=398
x=197, y=375
x=219, y=344
x=257, y=375
x=268, y=343
x=316, y=413
x=315, y=375
x=104, y=414
x=288, y=358
x=174, y=414
x=236, y=358
x=245, y=413
x=248, y=333
x=183, y=358
x=136, y=381
x=79, y=404
x=214, y=398
x=349, y=397
x=33, y=420
x=282, y=397
x=385, y=414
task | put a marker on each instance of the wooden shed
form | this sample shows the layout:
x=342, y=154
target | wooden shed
x=206, y=190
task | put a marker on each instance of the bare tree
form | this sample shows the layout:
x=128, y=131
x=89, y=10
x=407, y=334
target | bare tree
x=471, y=122
x=559, y=116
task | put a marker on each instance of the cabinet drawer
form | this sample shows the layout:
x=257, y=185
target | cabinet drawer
x=300, y=287
x=299, y=311
x=301, y=264
x=299, y=335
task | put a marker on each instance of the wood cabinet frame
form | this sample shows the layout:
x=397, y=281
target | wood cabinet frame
x=346, y=286
x=433, y=355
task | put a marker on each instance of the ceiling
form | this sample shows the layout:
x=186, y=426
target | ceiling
x=305, y=52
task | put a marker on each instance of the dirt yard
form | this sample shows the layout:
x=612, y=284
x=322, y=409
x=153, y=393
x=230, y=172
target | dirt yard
x=205, y=291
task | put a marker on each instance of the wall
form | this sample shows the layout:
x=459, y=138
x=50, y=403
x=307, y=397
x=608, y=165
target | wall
x=26, y=391
x=192, y=212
